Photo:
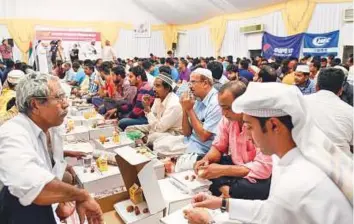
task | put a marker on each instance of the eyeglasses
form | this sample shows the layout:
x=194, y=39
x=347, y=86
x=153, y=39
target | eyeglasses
x=193, y=82
x=59, y=98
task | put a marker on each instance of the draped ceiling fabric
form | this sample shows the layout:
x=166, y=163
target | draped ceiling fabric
x=328, y=17
x=188, y=12
x=238, y=44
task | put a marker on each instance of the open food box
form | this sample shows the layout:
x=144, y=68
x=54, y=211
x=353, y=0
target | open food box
x=189, y=182
x=145, y=203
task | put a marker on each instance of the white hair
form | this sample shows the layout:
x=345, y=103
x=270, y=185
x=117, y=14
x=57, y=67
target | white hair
x=32, y=85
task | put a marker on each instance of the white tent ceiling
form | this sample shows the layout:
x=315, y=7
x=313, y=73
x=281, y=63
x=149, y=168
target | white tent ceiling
x=191, y=11
x=131, y=11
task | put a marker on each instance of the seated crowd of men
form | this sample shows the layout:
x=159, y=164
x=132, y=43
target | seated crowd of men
x=194, y=98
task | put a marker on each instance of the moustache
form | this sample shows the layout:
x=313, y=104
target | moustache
x=63, y=114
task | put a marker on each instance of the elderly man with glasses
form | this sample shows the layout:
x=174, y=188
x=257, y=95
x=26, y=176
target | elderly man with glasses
x=200, y=118
x=32, y=161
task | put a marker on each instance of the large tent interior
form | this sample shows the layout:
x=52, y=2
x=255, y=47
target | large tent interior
x=127, y=139
x=200, y=28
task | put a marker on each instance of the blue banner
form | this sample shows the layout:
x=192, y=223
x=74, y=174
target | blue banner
x=322, y=44
x=282, y=47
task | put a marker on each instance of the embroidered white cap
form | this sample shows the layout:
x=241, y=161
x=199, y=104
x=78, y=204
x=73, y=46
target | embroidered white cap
x=303, y=68
x=203, y=71
x=14, y=76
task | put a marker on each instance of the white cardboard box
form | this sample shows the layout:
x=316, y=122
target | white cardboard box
x=188, y=186
x=131, y=218
x=159, y=169
x=178, y=217
x=111, y=146
x=79, y=111
x=81, y=121
x=99, y=181
x=79, y=133
x=96, y=132
x=174, y=198
x=84, y=147
x=138, y=169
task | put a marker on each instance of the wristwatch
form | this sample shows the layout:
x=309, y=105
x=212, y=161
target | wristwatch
x=223, y=205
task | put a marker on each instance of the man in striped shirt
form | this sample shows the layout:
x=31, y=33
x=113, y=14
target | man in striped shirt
x=137, y=77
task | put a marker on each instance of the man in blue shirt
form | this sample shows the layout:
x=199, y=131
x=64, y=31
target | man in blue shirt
x=243, y=71
x=201, y=117
x=80, y=75
x=174, y=72
x=302, y=80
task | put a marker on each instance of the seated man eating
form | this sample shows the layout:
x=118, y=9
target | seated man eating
x=234, y=165
x=165, y=116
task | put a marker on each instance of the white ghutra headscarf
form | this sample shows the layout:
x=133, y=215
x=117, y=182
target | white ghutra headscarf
x=276, y=100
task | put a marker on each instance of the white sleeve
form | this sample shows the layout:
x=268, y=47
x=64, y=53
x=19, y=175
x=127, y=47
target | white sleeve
x=150, y=116
x=260, y=212
x=21, y=169
x=168, y=119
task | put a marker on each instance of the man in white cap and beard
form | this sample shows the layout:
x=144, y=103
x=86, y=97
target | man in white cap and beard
x=312, y=182
x=8, y=96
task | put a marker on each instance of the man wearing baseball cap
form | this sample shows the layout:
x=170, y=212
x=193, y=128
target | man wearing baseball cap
x=8, y=96
x=303, y=81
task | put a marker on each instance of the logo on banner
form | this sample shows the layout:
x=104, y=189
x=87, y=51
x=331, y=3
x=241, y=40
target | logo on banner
x=321, y=41
x=321, y=44
x=281, y=47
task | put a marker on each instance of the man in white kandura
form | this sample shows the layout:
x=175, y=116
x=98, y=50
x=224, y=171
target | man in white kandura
x=32, y=161
x=313, y=181
x=333, y=116
x=165, y=116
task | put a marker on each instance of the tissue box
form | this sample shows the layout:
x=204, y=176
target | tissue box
x=79, y=111
x=85, y=147
x=99, y=181
x=96, y=132
x=178, y=217
x=79, y=133
x=110, y=145
x=81, y=121
x=174, y=198
x=191, y=187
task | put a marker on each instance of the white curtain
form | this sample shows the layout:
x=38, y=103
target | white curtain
x=129, y=46
x=329, y=17
x=238, y=44
x=195, y=43
x=4, y=34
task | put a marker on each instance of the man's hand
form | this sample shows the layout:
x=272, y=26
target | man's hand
x=65, y=210
x=77, y=155
x=146, y=103
x=197, y=216
x=111, y=113
x=187, y=103
x=204, y=200
x=89, y=210
x=200, y=163
x=211, y=171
